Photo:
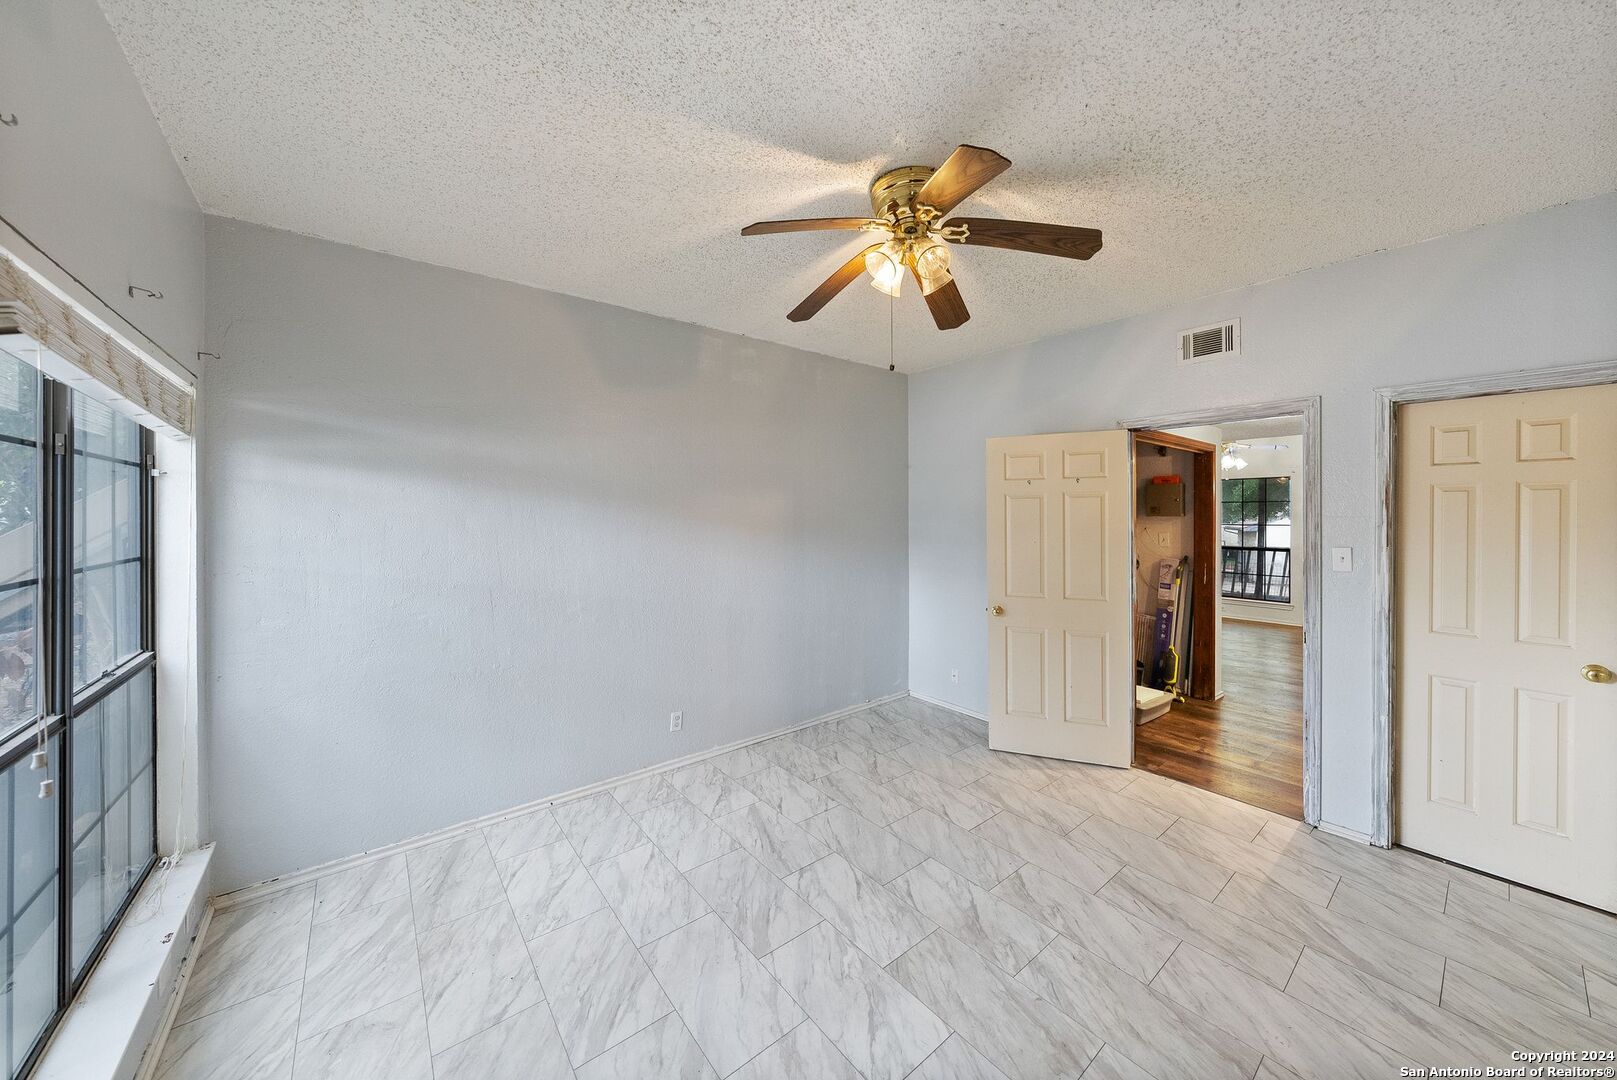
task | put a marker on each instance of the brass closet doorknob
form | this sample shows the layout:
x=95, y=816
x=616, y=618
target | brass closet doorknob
x=997, y=610
x=1598, y=673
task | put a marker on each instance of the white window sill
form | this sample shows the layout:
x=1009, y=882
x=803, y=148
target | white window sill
x=118, y=1012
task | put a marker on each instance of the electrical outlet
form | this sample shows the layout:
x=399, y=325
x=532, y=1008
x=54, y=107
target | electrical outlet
x=954, y=675
x=676, y=721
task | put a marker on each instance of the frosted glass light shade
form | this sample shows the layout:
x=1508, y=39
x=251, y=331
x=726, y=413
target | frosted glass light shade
x=885, y=266
x=932, y=266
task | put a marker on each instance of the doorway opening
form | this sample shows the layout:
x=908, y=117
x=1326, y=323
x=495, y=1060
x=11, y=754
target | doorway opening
x=1220, y=599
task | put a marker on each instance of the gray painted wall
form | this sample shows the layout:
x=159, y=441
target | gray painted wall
x=1536, y=291
x=87, y=176
x=88, y=180
x=469, y=543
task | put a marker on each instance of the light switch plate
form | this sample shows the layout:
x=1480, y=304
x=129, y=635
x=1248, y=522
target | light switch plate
x=1342, y=560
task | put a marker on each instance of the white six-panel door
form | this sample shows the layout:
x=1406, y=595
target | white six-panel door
x=1060, y=603
x=1506, y=524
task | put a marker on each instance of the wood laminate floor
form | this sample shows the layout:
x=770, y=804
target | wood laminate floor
x=1249, y=744
x=883, y=897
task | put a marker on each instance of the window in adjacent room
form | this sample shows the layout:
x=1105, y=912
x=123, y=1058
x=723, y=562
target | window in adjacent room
x=1255, y=532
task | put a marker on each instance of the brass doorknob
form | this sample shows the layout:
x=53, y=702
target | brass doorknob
x=1599, y=673
x=999, y=609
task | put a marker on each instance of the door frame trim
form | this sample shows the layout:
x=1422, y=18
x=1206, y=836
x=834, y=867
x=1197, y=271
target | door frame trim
x=1383, y=654
x=1313, y=573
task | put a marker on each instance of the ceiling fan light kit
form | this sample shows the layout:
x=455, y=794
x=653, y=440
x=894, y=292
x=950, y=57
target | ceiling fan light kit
x=885, y=265
x=909, y=205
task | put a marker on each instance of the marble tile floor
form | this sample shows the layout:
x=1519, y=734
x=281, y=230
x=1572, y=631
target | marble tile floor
x=881, y=896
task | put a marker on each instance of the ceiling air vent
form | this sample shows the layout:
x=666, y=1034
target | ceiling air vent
x=1207, y=342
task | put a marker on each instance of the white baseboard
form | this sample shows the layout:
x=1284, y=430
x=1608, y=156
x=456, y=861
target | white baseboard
x=951, y=706
x=251, y=893
x=1344, y=832
x=1258, y=617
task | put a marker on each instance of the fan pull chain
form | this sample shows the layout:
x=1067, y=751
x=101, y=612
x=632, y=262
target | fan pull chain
x=892, y=357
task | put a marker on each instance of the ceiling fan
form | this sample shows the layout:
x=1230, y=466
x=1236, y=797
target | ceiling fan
x=908, y=205
x=1232, y=458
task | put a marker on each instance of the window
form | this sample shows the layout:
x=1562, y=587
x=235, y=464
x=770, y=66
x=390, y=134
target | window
x=106, y=539
x=29, y=940
x=77, y=681
x=112, y=803
x=1255, y=531
x=19, y=542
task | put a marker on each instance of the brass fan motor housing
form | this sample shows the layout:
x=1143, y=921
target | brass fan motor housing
x=892, y=198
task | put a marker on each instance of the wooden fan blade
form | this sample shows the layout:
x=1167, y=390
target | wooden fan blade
x=762, y=228
x=832, y=285
x=1041, y=238
x=968, y=168
x=946, y=304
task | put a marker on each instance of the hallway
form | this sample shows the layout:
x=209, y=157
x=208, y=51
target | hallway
x=1249, y=744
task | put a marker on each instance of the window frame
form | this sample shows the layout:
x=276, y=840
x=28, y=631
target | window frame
x=56, y=702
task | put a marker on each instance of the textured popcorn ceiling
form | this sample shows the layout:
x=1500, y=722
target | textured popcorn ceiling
x=614, y=150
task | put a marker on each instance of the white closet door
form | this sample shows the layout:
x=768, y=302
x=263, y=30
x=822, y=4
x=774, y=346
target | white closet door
x=1507, y=587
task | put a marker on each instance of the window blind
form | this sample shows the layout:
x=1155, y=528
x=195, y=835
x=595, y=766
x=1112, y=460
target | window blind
x=29, y=310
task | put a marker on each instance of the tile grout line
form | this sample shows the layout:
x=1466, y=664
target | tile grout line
x=1178, y=941
x=565, y=839
x=245, y=1000
x=1152, y=984
x=1110, y=878
x=415, y=952
x=1295, y=964
x=674, y=1006
x=1017, y=977
x=652, y=941
x=821, y=921
x=516, y=923
x=199, y=949
x=550, y=1011
x=1262, y=1051
x=915, y=1072
x=303, y=982
x=888, y=967
x=789, y=1033
x=606, y=906
x=1471, y=928
x=602, y=1053
x=808, y=1017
